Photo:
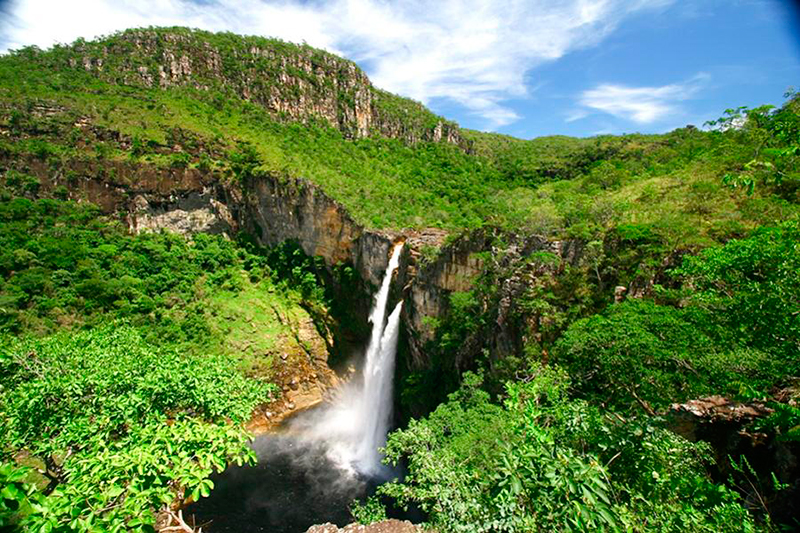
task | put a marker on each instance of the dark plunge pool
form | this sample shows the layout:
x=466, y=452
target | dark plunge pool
x=294, y=486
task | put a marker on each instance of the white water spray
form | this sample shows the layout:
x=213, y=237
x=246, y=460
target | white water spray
x=356, y=423
x=377, y=398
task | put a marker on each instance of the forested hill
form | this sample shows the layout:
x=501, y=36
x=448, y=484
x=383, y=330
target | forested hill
x=181, y=98
x=598, y=334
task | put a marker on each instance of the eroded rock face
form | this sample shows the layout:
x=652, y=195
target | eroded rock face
x=291, y=81
x=276, y=209
x=428, y=284
x=386, y=526
x=195, y=212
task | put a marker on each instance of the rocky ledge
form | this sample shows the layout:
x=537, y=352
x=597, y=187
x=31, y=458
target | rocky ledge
x=386, y=526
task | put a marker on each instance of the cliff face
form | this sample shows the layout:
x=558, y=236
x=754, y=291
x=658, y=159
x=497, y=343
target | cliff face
x=275, y=208
x=294, y=82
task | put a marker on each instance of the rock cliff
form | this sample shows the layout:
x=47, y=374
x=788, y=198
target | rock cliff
x=277, y=208
x=296, y=82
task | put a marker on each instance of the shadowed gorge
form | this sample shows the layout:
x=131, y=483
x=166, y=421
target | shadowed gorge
x=243, y=289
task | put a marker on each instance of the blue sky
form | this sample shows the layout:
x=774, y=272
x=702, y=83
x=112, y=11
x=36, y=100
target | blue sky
x=522, y=67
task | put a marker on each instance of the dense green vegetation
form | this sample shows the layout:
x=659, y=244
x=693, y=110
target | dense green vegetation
x=543, y=462
x=123, y=372
x=128, y=363
x=738, y=325
x=595, y=451
x=120, y=426
x=63, y=264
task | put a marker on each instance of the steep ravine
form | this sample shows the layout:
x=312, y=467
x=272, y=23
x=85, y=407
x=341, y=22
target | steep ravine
x=274, y=210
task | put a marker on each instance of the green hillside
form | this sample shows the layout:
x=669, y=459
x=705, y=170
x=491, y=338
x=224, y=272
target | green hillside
x=383, y=182
x=617, y=276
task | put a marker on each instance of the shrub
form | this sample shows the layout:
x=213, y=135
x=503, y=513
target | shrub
x=640, y=354
x=542, y=462
x=130, y=422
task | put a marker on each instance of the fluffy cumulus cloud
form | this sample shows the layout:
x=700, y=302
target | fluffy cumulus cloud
x=643, y=105
x=471, y=52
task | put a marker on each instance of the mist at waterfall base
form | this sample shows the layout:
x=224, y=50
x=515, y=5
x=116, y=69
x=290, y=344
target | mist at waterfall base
x=320, y=461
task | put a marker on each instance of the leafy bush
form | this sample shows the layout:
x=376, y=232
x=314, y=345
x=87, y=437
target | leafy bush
x=751, y=290
x=121, y=426
x=640, y=354
x=542, y=462
x=62, y=261
x=369, y=511
x=740, y=324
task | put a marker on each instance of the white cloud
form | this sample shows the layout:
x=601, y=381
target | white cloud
x=643, y=105
x=472, y=52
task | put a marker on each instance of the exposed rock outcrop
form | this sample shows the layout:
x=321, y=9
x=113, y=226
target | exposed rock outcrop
x=714, y=410
x=731, y=428
x=195, y=212
x=385, y=526
x=292, y=81
x=276, y=208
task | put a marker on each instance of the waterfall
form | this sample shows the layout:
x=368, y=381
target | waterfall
x=377, y=398
x=355, y=425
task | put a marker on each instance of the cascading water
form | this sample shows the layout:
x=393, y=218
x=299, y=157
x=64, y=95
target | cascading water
x=322, y=459
x=377, y=398
x=356, y=423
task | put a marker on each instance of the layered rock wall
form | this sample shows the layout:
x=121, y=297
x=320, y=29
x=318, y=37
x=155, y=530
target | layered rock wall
x=291, y=81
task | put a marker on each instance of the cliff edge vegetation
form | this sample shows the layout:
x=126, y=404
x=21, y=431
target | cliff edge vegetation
x=233, y=106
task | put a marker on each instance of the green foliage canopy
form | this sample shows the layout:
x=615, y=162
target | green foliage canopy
x=130, y=423
x=542, y=462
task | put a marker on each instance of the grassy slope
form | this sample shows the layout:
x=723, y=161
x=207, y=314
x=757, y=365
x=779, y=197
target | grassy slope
x=257, y=324
x=554, y=185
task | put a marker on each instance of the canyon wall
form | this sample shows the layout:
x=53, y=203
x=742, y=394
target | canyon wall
x=275, y=209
